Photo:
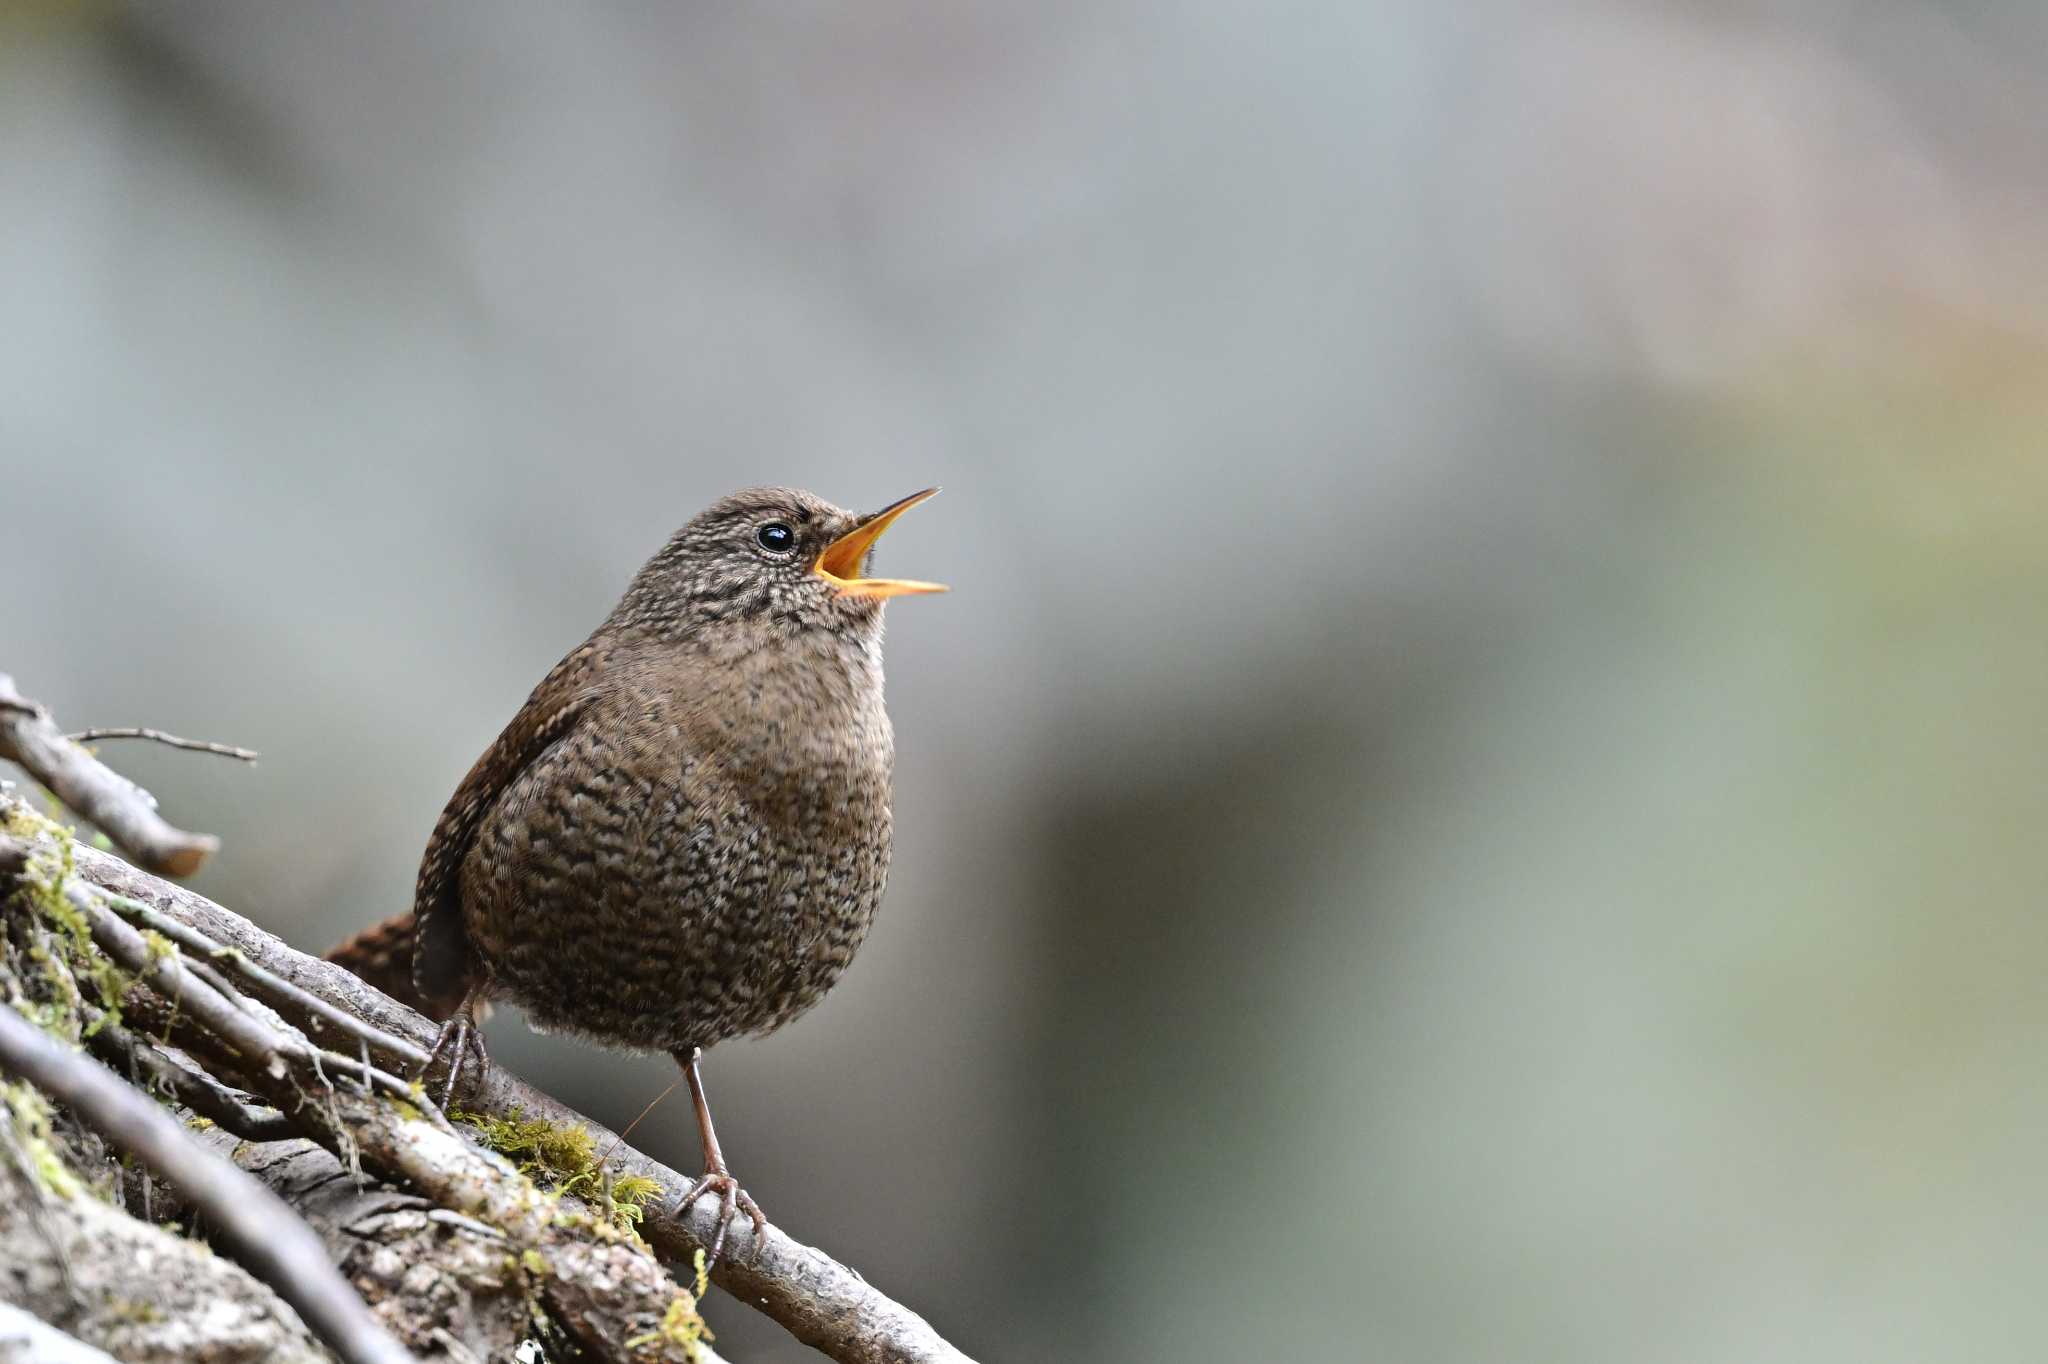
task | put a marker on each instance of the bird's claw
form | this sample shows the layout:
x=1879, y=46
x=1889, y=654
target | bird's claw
x=732, y=1200
x=459, y=1039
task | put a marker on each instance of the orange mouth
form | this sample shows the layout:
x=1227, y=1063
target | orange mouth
x=840, y=564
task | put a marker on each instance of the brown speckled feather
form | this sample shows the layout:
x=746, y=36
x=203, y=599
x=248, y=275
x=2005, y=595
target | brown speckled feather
x=382, y=955
x=684, y=833
x=444, y=965
x=656, y=879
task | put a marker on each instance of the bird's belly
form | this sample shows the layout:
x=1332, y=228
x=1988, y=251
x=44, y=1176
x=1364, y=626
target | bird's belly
x=675, y=925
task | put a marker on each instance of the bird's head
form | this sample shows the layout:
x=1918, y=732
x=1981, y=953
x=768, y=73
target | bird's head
x=772, y=555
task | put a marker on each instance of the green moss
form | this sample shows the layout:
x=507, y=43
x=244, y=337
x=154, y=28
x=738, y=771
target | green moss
x=630, y=1194
x=559, y=1151
x=680, y=1325
x=31, y=1118
x=562, y=1158
x=49, y=867
x=64, y=952
x=55, y=969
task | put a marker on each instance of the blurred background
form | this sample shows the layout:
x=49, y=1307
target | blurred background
x=1479, y=793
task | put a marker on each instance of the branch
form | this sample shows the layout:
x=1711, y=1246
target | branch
x=194, y=990
x=194, y=1089
x=264, y=1233
x=127, y=813
x=235, y=751
x=279, y=991
x=822, y=1302
x=388, y=1243
x=385, y=1240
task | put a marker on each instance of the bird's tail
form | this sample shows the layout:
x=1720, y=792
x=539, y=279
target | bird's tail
x=382, y=955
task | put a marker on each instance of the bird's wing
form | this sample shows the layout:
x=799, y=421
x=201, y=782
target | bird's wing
x=442, y=964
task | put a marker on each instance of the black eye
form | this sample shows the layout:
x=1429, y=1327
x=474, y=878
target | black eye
x=776, y=537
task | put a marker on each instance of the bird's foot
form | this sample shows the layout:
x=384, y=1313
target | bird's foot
x=459, y=1040
x=732, y=1200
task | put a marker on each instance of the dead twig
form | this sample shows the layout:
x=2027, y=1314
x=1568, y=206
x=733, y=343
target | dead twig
x=235, y=751
x=281, y=993
x=215, y=1009
x=264, y=1233
x=127, y=813
x=163, y=971
x=195, y=1089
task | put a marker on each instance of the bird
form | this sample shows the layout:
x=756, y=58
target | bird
x=683, y=836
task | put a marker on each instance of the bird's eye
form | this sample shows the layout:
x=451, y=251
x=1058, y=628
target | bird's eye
x=776, y=537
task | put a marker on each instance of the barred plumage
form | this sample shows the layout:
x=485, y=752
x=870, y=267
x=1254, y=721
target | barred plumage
x=683, y=835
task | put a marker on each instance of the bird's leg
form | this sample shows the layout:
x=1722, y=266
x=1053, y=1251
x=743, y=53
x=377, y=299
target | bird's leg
x=732, y=1198
x=459, y=1037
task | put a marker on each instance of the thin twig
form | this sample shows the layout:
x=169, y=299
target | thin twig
x=165, y=973
x=468, y=1224
x=218, y=983
x=236, y=751
x=263, y=1232
x=30, y=738
x=196, y=1090
x=220, y=1013
x=397, y=1086
x=191, y=1031
x=281, y=993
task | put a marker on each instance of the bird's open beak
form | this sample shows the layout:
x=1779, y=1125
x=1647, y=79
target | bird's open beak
x=840, y=564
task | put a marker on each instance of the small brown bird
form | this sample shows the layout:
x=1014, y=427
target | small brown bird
x=683, y=834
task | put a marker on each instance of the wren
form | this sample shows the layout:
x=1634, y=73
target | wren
x=683, y=835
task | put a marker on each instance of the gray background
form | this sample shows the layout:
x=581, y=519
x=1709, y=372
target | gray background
x=1478, y=795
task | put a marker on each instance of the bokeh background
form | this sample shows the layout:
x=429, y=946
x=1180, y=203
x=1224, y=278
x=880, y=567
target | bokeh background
x=1479, y=795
